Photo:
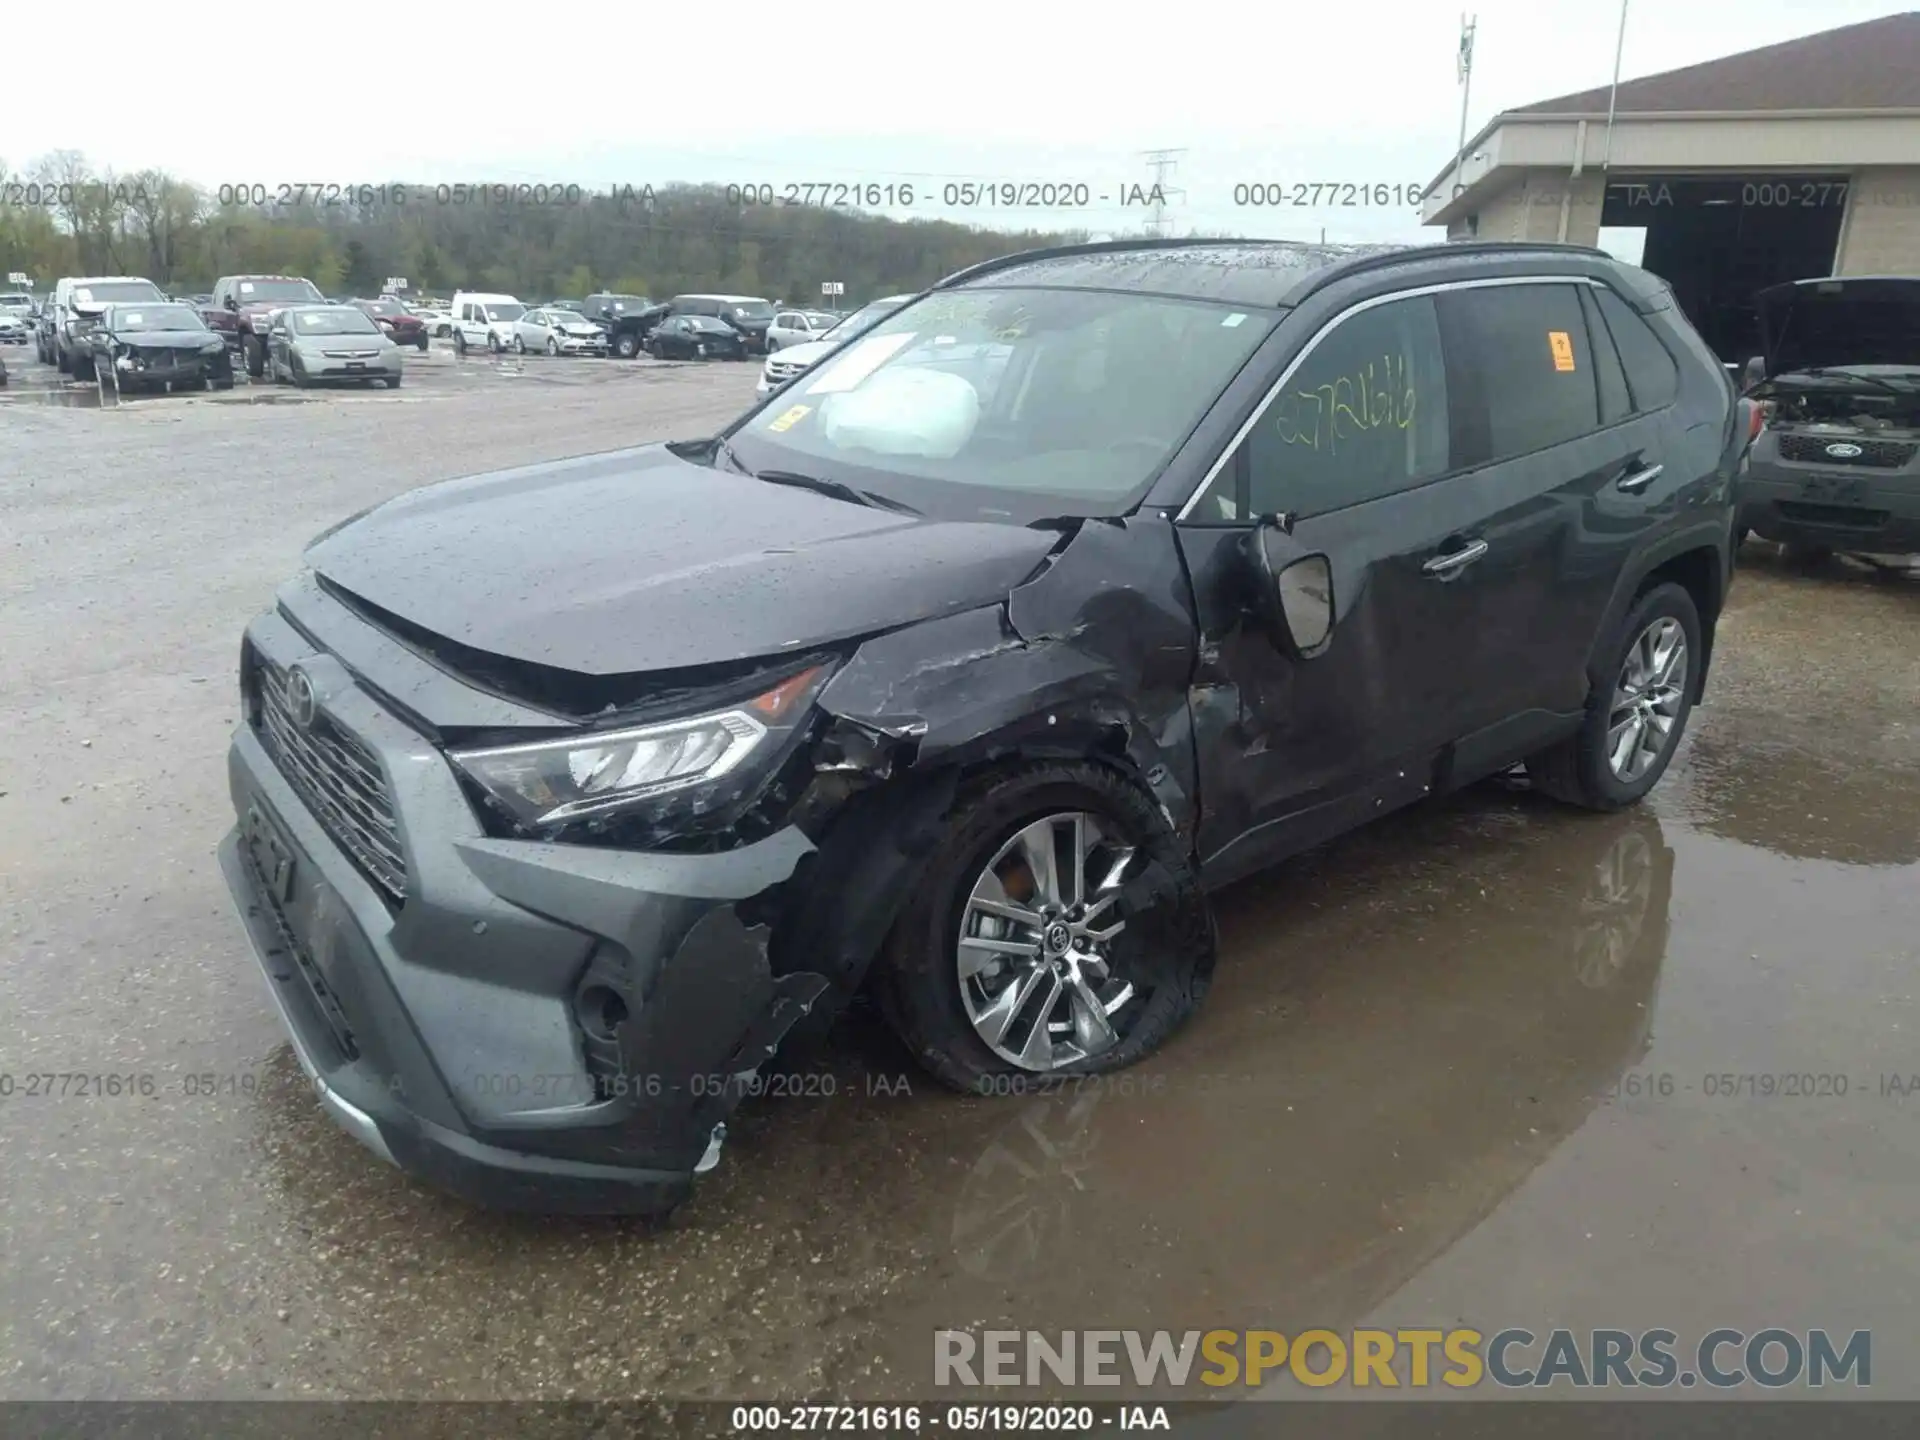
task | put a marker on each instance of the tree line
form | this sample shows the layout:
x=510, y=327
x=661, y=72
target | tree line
x=61, y=216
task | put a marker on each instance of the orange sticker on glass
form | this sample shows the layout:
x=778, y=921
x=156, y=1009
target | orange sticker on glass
x=790, y=418
x=1562, y=345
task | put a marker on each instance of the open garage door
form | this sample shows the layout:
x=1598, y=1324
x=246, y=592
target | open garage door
x=1719, y=241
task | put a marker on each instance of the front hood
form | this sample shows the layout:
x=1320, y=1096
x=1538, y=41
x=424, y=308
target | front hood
x=805, y=353
x=637, y=560
x=1872, y=320
x=583, y=332
x=169, y=340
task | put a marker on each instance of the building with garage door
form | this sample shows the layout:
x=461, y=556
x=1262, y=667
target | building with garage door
x=1794, y=160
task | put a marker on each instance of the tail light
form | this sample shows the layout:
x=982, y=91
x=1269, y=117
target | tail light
x=1757, y=423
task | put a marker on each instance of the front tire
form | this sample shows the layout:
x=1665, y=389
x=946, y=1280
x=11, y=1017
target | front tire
x=420, y=342
x=998, y=971
x=1635, y=719
x=459, y=344
x=256, y=356
x=627, y=345
x=519, y=346
x=298, y=373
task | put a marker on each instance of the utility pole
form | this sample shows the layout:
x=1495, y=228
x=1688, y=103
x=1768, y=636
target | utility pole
x=1468, y=25
x=1613, y=94
x=1163, y=163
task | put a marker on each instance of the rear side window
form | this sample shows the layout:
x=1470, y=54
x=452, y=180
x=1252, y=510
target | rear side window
x=1365, y=415
x=1608, y=376
x=1527, y=348
x=1652, y=376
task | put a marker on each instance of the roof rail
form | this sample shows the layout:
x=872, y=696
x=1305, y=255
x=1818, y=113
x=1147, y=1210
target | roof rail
x=1101, y=247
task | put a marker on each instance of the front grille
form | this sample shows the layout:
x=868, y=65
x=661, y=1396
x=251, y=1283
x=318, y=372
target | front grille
x=776, y=372
x=339, y=779
x=1879, y=454
x=1842, y=517
x=350, y=354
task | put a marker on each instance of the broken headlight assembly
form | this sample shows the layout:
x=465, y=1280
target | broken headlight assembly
x=696, y=766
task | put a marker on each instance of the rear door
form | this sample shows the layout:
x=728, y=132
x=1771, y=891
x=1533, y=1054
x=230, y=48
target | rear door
x=1566, y=477
x=1356, y=447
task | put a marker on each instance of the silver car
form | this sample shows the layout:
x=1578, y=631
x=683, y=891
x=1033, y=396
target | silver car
x=797, y=327
x=558, y=332
x=311, y=344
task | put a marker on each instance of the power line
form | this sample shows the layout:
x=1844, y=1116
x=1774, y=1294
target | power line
x=1163, y=163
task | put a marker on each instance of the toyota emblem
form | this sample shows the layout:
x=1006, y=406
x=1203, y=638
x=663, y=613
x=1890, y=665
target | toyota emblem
x=301, y=701
x=1842, y=450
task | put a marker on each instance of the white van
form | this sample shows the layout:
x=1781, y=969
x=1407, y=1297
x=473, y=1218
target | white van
x=482, y=320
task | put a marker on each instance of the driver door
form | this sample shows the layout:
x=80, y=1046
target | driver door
x=1354, y=448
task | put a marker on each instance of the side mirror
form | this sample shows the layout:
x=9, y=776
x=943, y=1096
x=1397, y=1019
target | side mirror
x=232, y=303
x=1755, y=372
x=1295, y=591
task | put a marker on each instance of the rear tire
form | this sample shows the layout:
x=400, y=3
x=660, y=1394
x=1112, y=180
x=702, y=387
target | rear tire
x=420, y=342
x=393, y=382
x=1164, y=947
x=1580, y=769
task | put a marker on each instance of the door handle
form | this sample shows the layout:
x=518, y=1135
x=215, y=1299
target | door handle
x=1455, y=560
x=1636, y=481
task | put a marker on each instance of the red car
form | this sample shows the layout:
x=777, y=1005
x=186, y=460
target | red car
x=400, y=325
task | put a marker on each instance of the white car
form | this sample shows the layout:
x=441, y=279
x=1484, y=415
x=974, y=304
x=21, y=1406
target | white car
x=558, y=332
x=790, y=360
x=799, y=327
x=484, y=321
x=437, y=318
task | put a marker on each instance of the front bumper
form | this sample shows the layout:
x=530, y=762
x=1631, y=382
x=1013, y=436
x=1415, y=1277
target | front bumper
x=462, y=1032
x=1840, y=507
x=171, y=371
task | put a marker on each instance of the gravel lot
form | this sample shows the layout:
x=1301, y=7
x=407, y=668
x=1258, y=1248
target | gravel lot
x=1404, y=1100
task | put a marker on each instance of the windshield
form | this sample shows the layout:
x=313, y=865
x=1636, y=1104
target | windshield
x=392, y=309
x=619, y=302
x=105, y=292
x=334, y=322
x=505, y=310
x=156, y=317
x=863, y=319
x=280, y=292
x=1076, y=394
x=752, y=309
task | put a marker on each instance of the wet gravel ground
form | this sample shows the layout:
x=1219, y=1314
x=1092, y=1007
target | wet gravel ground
x=1465, y=1067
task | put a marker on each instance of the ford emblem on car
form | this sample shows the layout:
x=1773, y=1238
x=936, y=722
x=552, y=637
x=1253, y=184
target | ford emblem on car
x=300, y=698
x=1843, y=450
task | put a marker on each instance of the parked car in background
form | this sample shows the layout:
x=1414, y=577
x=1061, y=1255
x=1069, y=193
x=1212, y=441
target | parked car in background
x=437, y=318
x=1837, y=466
x=75, y=308
x=793, y=360
x=242, y=303
x=628, y=329
x=748, y=314
x=397, y=322
x=144, y=346
x=18, y=317
x=558, y=332
x=696, y=337
x=797, y=327
x=315, y=344
x=483, y=321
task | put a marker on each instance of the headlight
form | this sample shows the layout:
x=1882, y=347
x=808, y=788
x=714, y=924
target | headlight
x=595, y=773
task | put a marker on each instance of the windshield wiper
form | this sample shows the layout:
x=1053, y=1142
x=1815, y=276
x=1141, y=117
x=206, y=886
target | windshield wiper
x=1841, y=372
x=838, y=489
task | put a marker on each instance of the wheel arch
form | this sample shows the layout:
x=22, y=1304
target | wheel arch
x=1697, y=560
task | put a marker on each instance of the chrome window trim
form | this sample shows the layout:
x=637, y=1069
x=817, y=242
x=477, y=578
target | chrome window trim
x=1443, y=287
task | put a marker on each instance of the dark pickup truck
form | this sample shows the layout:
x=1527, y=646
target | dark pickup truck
x=239, y=301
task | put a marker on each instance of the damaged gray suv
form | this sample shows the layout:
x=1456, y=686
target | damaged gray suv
x=959, y=673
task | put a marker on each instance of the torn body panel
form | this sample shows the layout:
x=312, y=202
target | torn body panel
x=1088, y=659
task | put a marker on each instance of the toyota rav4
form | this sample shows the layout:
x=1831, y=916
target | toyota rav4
x=961, y=672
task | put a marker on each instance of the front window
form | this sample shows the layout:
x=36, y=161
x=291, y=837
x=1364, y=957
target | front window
x=277, y=292
x=156, y=317
x=863, y=320
x=392, y=309
x=334, y=322
x=1079, y=395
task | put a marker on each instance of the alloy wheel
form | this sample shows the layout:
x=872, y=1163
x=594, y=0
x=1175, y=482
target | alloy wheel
x=1034, y=956
x=1647, y=699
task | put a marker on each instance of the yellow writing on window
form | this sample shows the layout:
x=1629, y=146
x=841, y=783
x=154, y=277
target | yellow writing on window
x=1379, y=395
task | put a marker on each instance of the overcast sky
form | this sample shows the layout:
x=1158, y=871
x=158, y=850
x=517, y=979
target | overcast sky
x=595, y=94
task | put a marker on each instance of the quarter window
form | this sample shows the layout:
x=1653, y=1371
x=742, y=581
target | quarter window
x=1363, y=416
x=1615, y=403
x=1651, y=374
x=1527, y=346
